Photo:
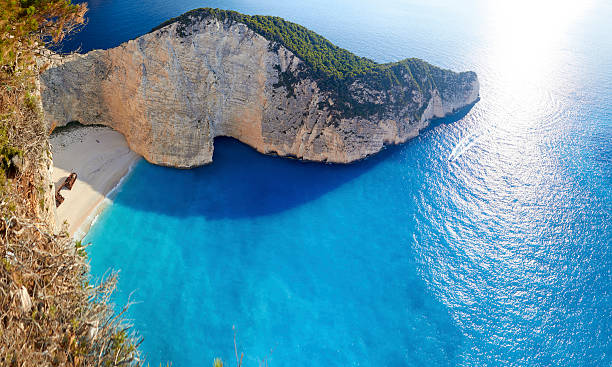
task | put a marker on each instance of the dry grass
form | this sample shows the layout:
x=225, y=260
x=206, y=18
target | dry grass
x=50, y=314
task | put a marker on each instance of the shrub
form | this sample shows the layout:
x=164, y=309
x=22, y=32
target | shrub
x=50, y=314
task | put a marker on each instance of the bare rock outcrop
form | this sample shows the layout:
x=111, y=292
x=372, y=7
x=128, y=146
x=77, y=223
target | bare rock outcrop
x=172, y=91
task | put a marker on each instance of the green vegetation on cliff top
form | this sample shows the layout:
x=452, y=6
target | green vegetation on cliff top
x=327, y=60
x=318, y=52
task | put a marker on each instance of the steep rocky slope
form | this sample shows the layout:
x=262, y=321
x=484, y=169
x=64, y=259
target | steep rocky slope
x=172, y=91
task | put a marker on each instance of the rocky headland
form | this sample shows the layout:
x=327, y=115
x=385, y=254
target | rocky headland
x=269, y=83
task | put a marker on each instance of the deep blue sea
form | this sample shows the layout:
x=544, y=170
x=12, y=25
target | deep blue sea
x=485, y=241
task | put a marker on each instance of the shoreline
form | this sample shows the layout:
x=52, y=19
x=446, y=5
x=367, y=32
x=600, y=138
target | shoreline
x=83, y=227
x=102, y=159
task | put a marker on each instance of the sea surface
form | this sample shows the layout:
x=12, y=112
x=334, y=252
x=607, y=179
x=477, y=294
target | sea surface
x=485, y=241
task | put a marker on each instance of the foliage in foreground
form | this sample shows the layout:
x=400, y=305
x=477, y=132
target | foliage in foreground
x=25, y=25
x=50, y=315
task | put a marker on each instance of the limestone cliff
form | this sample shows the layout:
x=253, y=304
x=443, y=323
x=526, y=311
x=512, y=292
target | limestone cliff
x=172, y=91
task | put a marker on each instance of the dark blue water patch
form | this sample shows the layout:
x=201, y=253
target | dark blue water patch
x=240, y=183
x=110, y=23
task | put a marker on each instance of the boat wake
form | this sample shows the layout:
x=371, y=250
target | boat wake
x=464, y=145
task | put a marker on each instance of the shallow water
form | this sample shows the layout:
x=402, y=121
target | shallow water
x=484, y=241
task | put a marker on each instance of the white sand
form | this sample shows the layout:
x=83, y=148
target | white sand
x=101, y=157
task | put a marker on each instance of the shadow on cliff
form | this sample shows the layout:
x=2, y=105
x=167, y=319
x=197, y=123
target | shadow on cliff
x=244, y=183
x=454, y=117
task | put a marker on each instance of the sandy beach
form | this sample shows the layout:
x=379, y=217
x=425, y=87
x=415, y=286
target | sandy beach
x=101, y=157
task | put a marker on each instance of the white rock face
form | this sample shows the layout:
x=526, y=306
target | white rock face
x=171, y=95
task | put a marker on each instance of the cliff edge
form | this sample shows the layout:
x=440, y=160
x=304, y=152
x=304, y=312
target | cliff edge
x=269, y=83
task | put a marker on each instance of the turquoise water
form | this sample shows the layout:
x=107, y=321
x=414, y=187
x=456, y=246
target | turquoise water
x=484, y=241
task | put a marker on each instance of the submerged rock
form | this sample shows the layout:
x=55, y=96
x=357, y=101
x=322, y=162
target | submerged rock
x=216, y=73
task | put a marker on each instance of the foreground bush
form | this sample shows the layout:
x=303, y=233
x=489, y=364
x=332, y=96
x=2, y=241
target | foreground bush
x=50, y=315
